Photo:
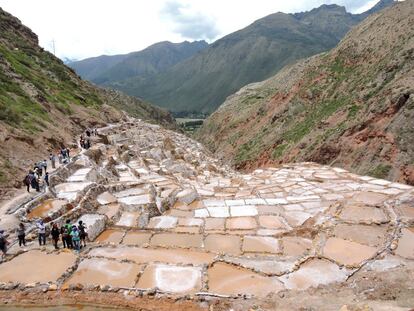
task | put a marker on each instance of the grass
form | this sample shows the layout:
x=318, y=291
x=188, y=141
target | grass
x=313, y=117
x=380, y=171
x=278, y=151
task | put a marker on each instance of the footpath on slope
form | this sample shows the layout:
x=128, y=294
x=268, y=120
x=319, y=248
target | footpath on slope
x=167, y=220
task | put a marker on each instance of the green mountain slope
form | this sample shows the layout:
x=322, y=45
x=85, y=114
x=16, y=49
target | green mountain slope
x=202, y=82
x=156, y=58
x=352, y=107
x=43, y=103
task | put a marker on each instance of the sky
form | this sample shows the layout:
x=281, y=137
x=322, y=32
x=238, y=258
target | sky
x=78, y=29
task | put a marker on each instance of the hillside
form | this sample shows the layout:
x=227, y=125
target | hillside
x=352, y=107
x=156, y=58
x=201, y=83
x=43, y=103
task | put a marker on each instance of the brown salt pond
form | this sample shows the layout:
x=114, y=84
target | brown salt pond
x=223, y=244
x=362, y=213
x=36, y=266
x=105, y=272
x=146, y=255
x=347, y=252
x=313, y=273
x=368, y=235
x=136, y=238
x=76, y=307
x=173, y=279
x=227, y=279
x=406, y=244
x=110, y=236
x=46, y=207
x=177, y=240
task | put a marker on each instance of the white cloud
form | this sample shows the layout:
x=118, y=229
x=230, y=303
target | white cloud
x=85, y=28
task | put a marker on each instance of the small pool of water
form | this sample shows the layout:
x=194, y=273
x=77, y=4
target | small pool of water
x=61, y=308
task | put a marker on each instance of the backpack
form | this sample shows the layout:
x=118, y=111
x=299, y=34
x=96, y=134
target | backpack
x=27, y=180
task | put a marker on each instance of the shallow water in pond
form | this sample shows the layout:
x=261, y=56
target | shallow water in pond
x=61, y=308
x=45, y=208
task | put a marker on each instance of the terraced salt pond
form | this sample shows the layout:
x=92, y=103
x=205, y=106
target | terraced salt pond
x=167, y=216
x=61, y=308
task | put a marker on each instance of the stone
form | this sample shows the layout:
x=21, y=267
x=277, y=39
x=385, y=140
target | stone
x=94, y=224
x=187, y=196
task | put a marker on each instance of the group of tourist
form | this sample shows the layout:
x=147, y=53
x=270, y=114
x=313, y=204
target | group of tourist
x=84, y=140
x=73, y=236
x=39, y=172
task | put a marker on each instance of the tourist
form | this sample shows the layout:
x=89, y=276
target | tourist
x=21, y=235
x=3, y=244
x=67, y=153
x=35, y=181
x=44, y=165
x=68, y=228
x=55, y=235
x=75, y=238
x=64, y=234
x=52, y=159
x=41, y=229
x=88, y=133
x=82, y=234
x=60, y=158
x=46, y=178
x=27, y=181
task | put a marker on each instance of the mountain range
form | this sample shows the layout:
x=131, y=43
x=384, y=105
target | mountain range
x=352, y=107
x=199, y=83
x=44, y=104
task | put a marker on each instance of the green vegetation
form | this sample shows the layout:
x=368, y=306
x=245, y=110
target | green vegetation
x=380, y=171
x=189, y=126
x=278, y=151
x=312, y=118
x=250, y=150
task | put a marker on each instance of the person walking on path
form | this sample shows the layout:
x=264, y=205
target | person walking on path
x=44, y=165
x=55, y=235
x=41, y=232
x=60, y=158
x=52, y=159
x=46, y=178
x=82, y=233
x=21, y=235
x=27, y=181
x=75, y=238
x=35, y=182
x=3, y=244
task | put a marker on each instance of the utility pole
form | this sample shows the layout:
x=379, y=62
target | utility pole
x=53, y=47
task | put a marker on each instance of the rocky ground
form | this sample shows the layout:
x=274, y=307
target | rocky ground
x=171, y=228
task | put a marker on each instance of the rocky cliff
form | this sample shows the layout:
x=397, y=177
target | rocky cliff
x=352, y=107
x=43, y=103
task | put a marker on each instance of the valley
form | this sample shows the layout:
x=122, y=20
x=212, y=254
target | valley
x=291, y=193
